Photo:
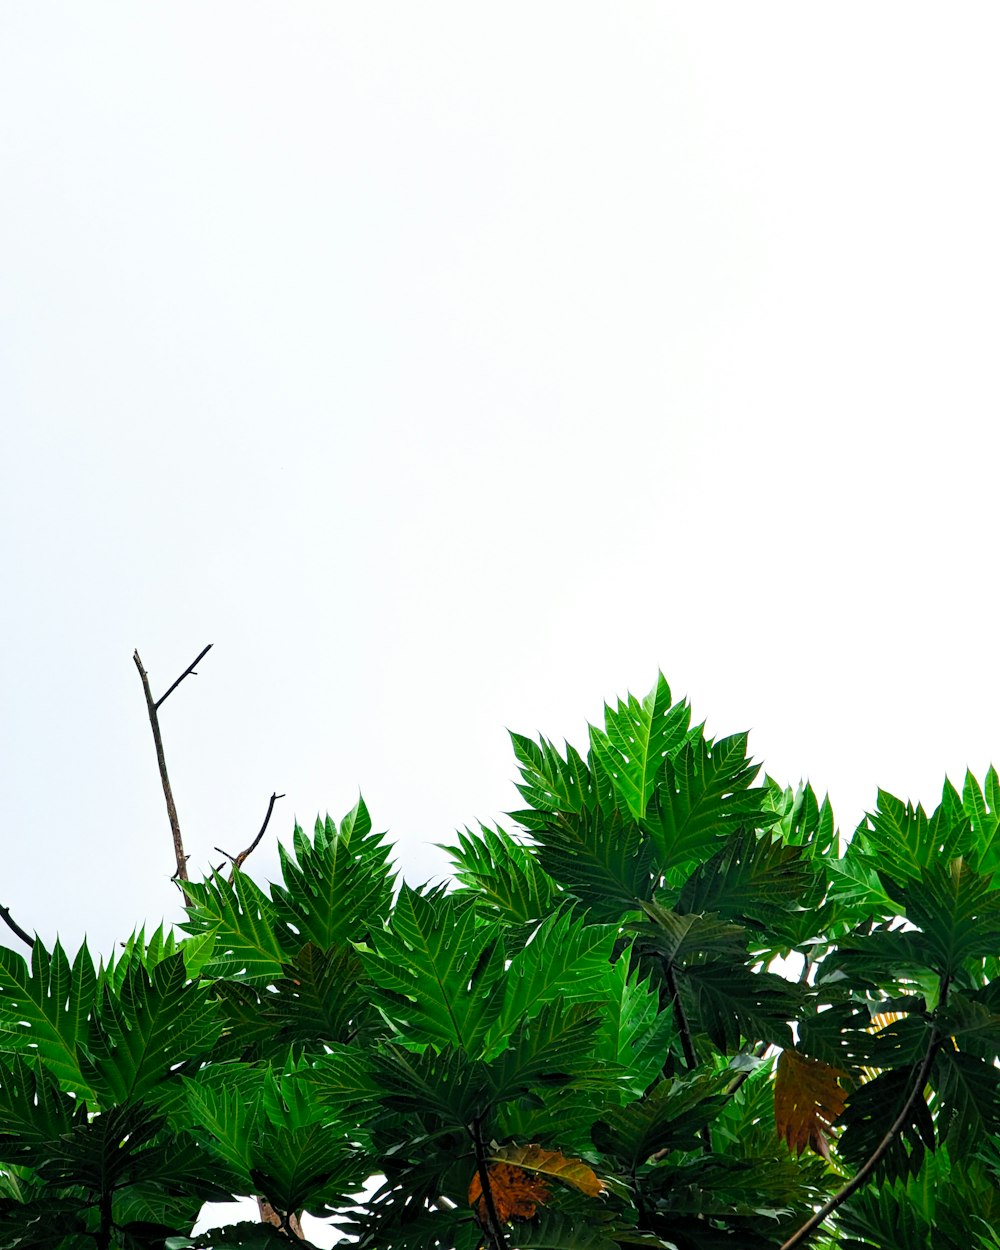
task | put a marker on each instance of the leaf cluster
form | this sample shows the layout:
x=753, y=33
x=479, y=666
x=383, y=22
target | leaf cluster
x=670, y=1008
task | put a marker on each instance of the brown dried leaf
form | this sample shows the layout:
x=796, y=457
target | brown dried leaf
x=517, y=1176
x=807, y=1100
x=516, y=1193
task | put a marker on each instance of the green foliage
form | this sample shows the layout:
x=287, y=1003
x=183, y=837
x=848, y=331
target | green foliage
x=588, y=1016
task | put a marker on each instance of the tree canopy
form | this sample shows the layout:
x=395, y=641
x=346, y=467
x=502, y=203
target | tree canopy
x=665, y=1005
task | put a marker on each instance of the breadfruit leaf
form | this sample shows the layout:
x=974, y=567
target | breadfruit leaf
x=808, y=1098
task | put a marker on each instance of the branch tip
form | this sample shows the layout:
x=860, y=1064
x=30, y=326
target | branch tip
x=238, y=860
x=14, y=927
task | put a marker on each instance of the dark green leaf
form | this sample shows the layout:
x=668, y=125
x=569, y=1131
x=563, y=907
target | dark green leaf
x=872, y=1110
x=754, y=879
x=730, y=1003
x=668, y=1117
x=702, y=795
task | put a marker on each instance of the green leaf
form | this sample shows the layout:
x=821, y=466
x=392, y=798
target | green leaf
x=435, y=969
x=160, y=945
x=51, y=1222
x=754, y=879
x=377, y=1228
x=885, y=1219
x=669, y=1117
x=884, y=958
x=34, y=1111
x=223, y=1121
x=841, y=1035
x=154, y=1204
x=958, y=911
x=567, y=958
x=802, y=820
x=855, y=889
x=905, y=841
x=323, y=997
x=305, y=1169
x=549, y=782
x=636, y=740
x=730, y=1003
x=109, y=1150
x=250, y=942
x=46, y=1011
x=634, y=1033
x=973, y=1020
x=246, y=1235
x=552, y=1230
x=871, y=1111
x=702, y=795
x=505, y=877
x=688, y=938
x=285, y=1100
x=342, y=1079
x=448, y=1084
x=983, y=812
x=600, y=857
x=147, y=1029
x=554, y=1047
x=968, y=1091
x=338, y=886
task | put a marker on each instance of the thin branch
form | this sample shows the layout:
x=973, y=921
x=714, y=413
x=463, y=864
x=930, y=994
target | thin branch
x=803, y=1234
x=103, y=1234
x=690, y=1058
x=187, y=673
x=238, y=860
x=494, y=1229
x=14, y=927
x=181, y=873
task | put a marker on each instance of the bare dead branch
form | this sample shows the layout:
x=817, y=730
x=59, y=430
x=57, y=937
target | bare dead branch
x=14, y=927
x=181, y=873
x=289, y=1224
x=189, y=671
x=237, y=860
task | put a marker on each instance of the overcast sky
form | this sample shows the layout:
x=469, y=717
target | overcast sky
x=452, y=367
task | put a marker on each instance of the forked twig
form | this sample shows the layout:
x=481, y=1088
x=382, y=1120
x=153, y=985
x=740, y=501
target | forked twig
x=289, y=1224
x=237, y=860
x=151, y=706
x=188, y=672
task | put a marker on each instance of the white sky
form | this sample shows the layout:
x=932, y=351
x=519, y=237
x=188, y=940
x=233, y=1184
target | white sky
x=452, y=367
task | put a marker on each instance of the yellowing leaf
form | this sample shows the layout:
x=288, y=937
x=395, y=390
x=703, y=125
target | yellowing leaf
x=518, y=1177
x=807, y=1100
x=551, y=1163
